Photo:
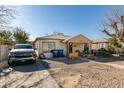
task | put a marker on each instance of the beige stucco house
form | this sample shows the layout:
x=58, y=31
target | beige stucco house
x=69, y=44
x=99, y=43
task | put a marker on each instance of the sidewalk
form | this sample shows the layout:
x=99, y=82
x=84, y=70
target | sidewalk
x=112, y=65
x=109, y=64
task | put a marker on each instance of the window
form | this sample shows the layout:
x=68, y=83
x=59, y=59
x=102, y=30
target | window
x=26, y=46
x=48, y=46
x=102, y=45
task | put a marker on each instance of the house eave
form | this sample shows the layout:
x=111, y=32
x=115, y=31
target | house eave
x=47, y=39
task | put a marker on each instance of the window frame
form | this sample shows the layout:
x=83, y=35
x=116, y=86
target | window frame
x=45, y=51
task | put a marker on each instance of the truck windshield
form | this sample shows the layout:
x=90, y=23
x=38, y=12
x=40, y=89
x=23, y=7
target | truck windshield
x=23, y=47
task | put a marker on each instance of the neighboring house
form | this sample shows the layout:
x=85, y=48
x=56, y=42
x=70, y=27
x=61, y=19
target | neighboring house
x=99, y=43
x=60, y=41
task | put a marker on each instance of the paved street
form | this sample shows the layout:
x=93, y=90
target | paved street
x=29, y=75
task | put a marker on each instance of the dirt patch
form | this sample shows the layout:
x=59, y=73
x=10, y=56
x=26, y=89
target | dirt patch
x=70, y=81
x=86, y=74
x=55, y=70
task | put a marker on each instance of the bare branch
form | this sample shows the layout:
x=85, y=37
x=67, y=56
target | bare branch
x=7, y=13
x=107, y=32
x=115, y=23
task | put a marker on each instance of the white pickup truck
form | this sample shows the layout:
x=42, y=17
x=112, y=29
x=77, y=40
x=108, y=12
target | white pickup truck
x=22, y=53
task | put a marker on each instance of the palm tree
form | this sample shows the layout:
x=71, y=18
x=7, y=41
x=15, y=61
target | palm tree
x=7, y=37
x=20, y=35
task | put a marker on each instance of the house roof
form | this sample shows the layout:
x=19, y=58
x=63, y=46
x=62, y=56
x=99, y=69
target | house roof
x=74, y=37
x=63, y=37
x=58, y=36
x=100, y=40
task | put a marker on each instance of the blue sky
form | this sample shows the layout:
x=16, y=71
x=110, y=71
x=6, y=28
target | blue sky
x=70, y=20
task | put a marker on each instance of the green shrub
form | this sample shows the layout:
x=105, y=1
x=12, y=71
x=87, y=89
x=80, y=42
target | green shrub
x=102, y=49
x=1, y=41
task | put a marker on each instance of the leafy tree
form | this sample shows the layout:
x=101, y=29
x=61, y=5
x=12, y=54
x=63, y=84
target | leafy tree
x=1, y=41
x=7, y=36
x=20, y=35
x=114, y=28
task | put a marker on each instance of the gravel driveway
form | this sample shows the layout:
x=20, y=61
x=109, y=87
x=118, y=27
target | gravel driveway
x=29, y=75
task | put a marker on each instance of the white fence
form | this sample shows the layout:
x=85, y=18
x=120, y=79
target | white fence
x=4, y=51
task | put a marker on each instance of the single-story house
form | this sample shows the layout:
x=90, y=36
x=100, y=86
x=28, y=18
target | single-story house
x=99, y=43
x=69, y=44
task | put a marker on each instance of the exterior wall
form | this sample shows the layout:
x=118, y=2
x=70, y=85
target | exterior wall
x=99, y=45
x=79, y=41
x=79, y=47
x=95, y=46
x=58, y=45
x=90, y=47
x=37, y=46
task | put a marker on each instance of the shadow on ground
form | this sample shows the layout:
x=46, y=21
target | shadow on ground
x=109, y=59
x=32, y=67
x=69, y=61
x=44, y=64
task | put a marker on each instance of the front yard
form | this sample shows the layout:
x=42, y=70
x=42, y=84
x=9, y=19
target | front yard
x=66, y=73
x=85, y=73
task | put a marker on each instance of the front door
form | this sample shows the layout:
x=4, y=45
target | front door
x=70, y=48
x=86, y=48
